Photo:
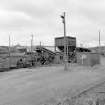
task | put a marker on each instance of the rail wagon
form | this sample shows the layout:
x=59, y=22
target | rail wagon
x=42, y=56
x=15, y=60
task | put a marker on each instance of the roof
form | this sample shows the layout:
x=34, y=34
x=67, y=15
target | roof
x=82, y=49
x=45, y=49
x=96, y=49
x=69, y=37
x=52, y=48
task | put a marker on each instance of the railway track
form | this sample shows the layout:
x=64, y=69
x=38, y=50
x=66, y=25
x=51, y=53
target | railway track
x=92, y=95
x=91, y=88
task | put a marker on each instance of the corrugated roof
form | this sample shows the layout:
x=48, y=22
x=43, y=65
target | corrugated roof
x=52, y=48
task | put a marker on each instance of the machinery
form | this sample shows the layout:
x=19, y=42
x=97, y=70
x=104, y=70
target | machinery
x=45, y=56
x=41, y=56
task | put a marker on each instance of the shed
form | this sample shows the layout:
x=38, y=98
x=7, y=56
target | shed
x=88, y=58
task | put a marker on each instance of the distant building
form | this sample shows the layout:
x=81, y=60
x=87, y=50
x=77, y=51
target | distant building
x=3, y=50
x=97, y=49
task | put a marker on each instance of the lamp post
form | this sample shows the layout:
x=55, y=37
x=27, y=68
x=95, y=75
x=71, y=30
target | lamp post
x=65, y=42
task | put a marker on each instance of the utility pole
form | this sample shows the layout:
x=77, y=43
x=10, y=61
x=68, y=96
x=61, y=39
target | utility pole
x=99, y=43
x=65, y=42
x=9, y=52
x=31, y=43
x=99, y=39
x=32, y=49
x=40, y=44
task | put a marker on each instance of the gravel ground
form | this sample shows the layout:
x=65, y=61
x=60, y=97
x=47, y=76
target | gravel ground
x=92, y=96
x=41, y=85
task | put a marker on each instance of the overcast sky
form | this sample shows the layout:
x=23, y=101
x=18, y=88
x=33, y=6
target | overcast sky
x=21, y=18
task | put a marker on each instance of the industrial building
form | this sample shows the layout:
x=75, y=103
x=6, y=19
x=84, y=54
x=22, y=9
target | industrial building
x=70, y=46
x=44, y=55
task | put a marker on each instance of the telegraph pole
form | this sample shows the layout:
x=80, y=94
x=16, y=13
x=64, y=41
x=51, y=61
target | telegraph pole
x=99, y=42
x=99, y=39
x=9, y=51
x=40, y=44
x=32, y=49
x=65, y=42
x=31, y=43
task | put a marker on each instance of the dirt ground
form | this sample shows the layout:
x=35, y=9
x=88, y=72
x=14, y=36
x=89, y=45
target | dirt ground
x=36, y=86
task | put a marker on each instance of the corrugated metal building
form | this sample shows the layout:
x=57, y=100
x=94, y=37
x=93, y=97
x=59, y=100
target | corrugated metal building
x=88, y=58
